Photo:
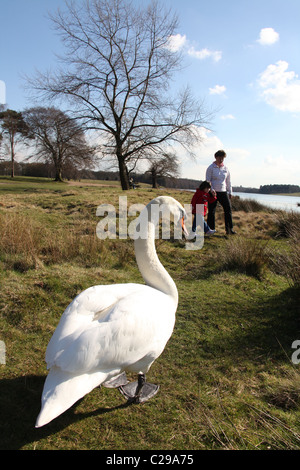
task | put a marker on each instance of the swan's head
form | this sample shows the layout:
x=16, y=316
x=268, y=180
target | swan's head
x=170, y=205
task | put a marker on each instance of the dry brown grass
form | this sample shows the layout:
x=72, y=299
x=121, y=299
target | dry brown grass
x=26, y=243
x=247, y=256
x=288, y=262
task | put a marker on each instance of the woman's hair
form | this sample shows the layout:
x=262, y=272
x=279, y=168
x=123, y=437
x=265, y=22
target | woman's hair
x=204, y=185
x=220, y=153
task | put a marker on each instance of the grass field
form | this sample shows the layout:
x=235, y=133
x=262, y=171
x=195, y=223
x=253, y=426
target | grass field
x=227, y=379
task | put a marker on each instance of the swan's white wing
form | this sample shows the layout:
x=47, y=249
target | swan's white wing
x=91, y=304
x=130, y=336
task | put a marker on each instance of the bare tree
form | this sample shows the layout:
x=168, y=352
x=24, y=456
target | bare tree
x=14, y=129
x=58, y=139
x=165, y=166
x=117, y=70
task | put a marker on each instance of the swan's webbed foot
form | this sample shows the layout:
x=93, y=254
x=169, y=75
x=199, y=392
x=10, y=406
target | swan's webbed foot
x=140, y=391
x=117, y=381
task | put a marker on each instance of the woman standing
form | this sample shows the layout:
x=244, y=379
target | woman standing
x=219, y=176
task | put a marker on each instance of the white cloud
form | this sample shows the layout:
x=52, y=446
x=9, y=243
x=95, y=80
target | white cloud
x=271, y=161
x=249, y=167
x=217, y=90
x=2, y=92
x=176, y=42
x=204, y=156
x=227, y=116
x=205, y=54
x=195, y=168
x=268, y=36
x=281, y=168
x=280, y=88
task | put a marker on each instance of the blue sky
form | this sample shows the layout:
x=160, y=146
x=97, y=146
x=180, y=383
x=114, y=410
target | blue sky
x=242, y=57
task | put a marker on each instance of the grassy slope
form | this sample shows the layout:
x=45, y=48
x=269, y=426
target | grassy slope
x=226, y=377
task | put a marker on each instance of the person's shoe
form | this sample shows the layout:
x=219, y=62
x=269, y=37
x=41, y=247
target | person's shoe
x=230, y=232
x=210, y=232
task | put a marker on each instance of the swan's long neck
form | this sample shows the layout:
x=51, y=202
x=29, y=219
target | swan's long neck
x=153, y=272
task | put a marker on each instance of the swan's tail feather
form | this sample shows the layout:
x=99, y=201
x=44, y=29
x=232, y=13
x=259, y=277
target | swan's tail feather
x=62, y=390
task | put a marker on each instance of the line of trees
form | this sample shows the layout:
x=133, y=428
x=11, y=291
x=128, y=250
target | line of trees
x=70, y=172
x=279, y=188
x=51, y=134
x=60, y=143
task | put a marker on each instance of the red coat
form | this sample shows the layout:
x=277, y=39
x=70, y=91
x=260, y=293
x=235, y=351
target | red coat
x=201, y=197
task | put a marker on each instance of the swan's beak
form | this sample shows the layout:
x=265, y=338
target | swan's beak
x=186, y=233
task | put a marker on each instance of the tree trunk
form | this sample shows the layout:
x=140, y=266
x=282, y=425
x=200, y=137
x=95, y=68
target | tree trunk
x=58, y=165
x=12, y=165
x=12, y=151
x=123, y=174
x=154, y=179
x=58, y=174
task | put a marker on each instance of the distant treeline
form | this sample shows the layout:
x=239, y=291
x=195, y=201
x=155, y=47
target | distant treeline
x=269, y=189
x=47, y=170
x=242, y=189
x=279, y=188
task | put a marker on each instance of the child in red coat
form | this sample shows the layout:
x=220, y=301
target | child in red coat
x=203, y=195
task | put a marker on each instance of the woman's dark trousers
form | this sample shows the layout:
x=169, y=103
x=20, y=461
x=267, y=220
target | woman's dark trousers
x=223, y=199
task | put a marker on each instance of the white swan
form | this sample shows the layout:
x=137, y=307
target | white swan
x=110, y=329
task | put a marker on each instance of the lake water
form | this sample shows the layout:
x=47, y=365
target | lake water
x=289, y=203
